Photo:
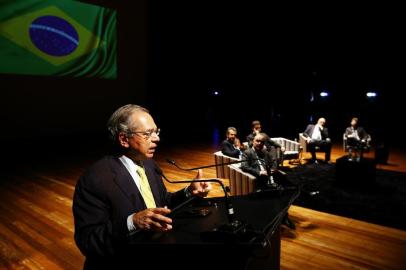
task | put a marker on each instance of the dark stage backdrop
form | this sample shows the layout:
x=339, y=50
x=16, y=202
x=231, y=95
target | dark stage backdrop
x=265, y=63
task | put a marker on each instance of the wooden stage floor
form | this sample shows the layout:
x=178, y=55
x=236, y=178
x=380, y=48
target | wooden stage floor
x=36, y=223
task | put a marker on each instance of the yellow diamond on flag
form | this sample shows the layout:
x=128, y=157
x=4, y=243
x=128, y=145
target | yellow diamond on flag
x=18, y=31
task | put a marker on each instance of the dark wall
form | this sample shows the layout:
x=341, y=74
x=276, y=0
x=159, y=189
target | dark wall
x=266, y=62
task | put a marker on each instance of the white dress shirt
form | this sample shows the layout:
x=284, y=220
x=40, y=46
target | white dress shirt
x=132, y=169
x=317, y=133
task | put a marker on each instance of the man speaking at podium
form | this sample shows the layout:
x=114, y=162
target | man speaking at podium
x=124, y=194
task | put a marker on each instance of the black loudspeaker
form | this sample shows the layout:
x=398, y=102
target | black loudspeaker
x=381, y=154
x=351, y=173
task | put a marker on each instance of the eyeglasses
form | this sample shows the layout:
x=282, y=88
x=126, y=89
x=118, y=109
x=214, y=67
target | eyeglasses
x=147, y=134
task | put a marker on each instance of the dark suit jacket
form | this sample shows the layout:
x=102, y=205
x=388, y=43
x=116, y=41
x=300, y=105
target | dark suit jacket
x=251, y=165
x=228, y=149
x=309, y=132
x=104, y=197
x=361, y=132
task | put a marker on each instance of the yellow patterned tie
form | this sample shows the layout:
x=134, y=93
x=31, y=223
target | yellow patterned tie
x=145, y=188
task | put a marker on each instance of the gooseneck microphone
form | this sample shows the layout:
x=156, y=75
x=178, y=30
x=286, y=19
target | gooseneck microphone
x=229, y=206
x=172, y=162
x=234, y=230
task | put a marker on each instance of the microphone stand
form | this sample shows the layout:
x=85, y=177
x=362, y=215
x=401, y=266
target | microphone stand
x=271, y=184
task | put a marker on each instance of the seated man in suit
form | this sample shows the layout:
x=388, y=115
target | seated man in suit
x=262, y=165
x=123, y=194
x=260, y=162
x=232, y=146
x=256, y=128
x=357, y=139
x=271, y=146
x=317, y=137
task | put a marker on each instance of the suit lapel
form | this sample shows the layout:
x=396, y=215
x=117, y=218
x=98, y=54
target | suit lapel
x=125, y=182
x=254, y=157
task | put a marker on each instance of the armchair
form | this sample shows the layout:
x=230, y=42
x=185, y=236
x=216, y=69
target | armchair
x=241, y=183
x=303, y=142
x=357, y=149
x=304, y=146
x=293, y=150
x=223, y=171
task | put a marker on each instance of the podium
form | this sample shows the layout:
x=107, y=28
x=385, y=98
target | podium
x=194, y=242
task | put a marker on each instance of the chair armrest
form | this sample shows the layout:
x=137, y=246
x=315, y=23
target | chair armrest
x=369, y=138
x=289, y=145
x=241, y=183
x=345, y=142
x=222, y=171
x=303, y=142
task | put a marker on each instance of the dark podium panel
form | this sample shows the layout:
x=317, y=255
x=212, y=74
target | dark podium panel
x=197, y=241
x=355, y=173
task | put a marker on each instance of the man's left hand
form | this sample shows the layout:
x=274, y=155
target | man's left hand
x=200, y=189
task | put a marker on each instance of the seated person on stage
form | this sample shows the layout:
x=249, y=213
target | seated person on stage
x=357, y=139
x=232, y=146
x=256, y=128
x=259, y=162
x=317, y=137
x=270, y=145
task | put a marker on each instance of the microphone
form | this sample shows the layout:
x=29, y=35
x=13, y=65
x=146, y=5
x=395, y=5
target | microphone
x=233, y=231
x=172, y=162
x=233, y=222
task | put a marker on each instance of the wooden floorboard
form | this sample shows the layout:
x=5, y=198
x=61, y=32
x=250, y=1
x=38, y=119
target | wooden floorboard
x=36, y=223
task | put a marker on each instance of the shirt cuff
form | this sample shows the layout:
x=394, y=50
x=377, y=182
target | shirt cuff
x=130, y=224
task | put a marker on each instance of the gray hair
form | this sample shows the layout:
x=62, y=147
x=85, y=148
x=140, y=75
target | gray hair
x=231, y=128
x=264, y=135
x=120, y=120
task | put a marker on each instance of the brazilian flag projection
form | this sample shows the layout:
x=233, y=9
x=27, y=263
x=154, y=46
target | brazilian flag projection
x=57, y=38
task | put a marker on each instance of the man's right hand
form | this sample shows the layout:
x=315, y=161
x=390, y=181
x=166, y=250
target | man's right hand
x=153, y=219
x=237, y=143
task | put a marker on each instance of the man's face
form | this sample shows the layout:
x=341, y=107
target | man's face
x=259, y=142
x=353, y=123
x=231, y=135
x=321, y=122
x=140, y=145
x=257, y=128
